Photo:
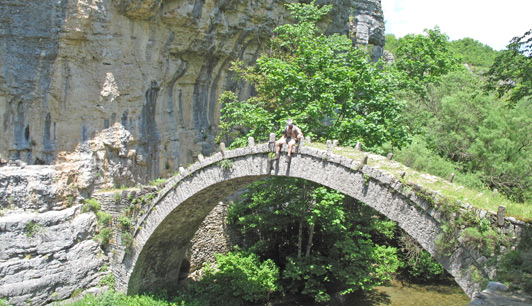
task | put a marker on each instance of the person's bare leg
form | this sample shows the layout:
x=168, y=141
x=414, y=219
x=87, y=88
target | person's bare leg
x=290, y=147
x=278, y=145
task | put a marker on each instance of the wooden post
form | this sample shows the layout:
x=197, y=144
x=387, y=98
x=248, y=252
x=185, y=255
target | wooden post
x=358, y=147
x=451, y=178
x=402, y=175
x=389, y=156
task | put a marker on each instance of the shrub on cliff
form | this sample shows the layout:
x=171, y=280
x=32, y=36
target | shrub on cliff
x=4, y=302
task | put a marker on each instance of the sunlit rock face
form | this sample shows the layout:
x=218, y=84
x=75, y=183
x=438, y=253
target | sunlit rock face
x=71, y=68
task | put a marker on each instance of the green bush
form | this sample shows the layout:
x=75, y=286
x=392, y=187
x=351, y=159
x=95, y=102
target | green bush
x=516, y=269
x=91, y=205
x=108, y=280
x=127, y=241
x=424, y=268
x=226, y=164
x=125, y=222
x=157, y=182
x=32, y=228
x=103, y=237
x=104, y=218
x=418, y=156
x=239, y=279
x=112, y=298
x=4, y=303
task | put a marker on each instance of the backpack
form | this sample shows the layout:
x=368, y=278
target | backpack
x=295, y=130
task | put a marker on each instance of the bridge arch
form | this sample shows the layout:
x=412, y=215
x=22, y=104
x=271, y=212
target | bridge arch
x=162, y=235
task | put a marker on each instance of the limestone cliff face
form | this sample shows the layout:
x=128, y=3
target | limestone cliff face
x=71, y=68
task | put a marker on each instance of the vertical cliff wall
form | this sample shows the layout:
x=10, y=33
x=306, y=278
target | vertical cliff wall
x=71, y=68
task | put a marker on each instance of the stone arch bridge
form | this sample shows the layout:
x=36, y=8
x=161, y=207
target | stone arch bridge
x=162, y=235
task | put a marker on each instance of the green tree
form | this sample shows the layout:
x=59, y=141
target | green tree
x=474, y=53
x=488, y=142
x=239, y=278
x=503, y=150
x=512, y=71
x=329, y=88
x=418, y=264
x=423, y=59
x=318, y=236
x=392, y=43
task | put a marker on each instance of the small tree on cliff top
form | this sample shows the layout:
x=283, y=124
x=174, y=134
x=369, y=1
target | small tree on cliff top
x=511, y=73
x=329, y=88
x=424, y=59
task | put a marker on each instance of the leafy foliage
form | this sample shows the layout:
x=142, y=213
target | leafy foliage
x=104, y=219
x=392, y=43
x=423, y=59
x=418, y=264
x=32, y=228
x=512, y=71
x=319, y=237
x=91, y=205
x=488, y=142
x=113, y=298
x=474, y=53
x=125, y=222
x=238, y=278
x=103, y=237
x=127, y=241
x=108, y=280
x=330, y=89
x=516, y=265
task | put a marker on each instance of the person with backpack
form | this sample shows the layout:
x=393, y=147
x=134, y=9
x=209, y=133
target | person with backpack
x=291, y=134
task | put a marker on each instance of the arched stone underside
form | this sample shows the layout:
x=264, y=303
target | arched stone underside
x=163, y=234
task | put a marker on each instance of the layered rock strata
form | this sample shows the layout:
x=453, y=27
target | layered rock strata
x=46, y=257
x=71, y=68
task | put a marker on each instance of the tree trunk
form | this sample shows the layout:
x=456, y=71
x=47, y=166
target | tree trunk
x=300, y=239
x=309, y=244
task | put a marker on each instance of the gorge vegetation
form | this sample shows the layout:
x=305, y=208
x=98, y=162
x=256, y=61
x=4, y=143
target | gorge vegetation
x=442, y=107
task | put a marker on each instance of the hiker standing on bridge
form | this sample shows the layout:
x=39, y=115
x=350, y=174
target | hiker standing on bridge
x=291, y=133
